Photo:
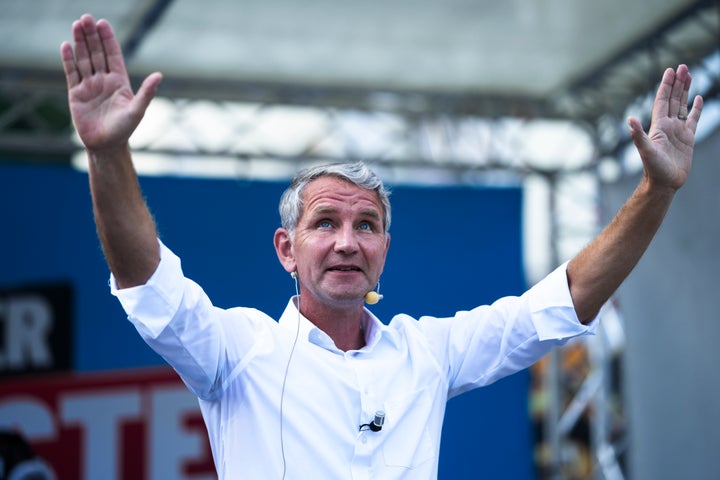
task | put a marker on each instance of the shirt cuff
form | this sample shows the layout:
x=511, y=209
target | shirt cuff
x=151, y=306
x=552, y=310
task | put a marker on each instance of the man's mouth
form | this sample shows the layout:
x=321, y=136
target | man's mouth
x=344, y=269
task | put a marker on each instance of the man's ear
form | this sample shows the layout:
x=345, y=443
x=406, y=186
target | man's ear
x=284, y=250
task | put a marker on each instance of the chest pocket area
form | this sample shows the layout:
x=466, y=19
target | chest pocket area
x=409, y=443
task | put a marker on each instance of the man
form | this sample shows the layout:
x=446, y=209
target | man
x=306, y=397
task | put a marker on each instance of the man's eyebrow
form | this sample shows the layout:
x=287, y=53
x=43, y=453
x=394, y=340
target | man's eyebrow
x=322, y=210
x=370, y=212
x=326, y=209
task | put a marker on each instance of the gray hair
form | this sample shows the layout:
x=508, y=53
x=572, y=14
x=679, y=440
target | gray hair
x=357, y=173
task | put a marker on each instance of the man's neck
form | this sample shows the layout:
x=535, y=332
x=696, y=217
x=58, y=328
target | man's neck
x=343, y=325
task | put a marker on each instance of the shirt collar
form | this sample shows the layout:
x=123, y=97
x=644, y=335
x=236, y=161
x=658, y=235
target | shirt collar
x=307, y=330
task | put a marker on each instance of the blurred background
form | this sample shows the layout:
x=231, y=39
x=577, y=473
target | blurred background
x=500, y=121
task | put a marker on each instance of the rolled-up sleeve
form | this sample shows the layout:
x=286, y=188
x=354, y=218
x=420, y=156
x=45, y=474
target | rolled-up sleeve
x=177, y=319
x=552, y=311
x=151, y=306
x=173, y=315
x=489, y=342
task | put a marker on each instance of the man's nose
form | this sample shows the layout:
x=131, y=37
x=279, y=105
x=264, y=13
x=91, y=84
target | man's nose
x=346, y=240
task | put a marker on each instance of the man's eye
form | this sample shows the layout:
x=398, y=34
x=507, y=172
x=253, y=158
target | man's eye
x=324, y=224
x=365, y=226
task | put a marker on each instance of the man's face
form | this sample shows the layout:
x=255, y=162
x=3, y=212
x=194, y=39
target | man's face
x=340, y=243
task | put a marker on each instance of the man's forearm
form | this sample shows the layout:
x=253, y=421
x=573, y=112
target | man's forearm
x=599, y=269
x=125, y=226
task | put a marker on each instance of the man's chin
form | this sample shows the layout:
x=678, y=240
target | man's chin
x=344, y=298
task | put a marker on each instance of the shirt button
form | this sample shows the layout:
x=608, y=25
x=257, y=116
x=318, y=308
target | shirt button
x=364, y=439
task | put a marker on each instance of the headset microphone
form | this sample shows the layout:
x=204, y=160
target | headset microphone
x=371, y=298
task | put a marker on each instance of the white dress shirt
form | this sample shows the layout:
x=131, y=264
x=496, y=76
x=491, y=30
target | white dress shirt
x=279, y=399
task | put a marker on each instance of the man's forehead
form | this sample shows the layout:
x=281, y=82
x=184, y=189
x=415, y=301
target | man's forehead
x=332, y=189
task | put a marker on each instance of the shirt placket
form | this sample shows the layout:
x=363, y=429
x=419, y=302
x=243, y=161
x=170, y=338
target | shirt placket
x=366, y=441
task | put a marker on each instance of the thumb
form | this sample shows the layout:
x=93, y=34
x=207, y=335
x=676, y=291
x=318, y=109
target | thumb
x=639, y=137
x=146, y=92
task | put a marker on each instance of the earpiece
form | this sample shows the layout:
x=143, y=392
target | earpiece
x=371, y=298
x=293, y=275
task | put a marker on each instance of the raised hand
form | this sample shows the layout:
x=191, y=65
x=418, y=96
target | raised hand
x=102, y=104
x=105, y=113
x=667, y=149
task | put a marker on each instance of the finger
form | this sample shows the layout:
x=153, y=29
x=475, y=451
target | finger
x=111, y=47
x=683, y=112
x=146, y=93
x=676, y=95
x=694, y=116
x=679, y=94
x=639, y=137
x=95, y=46
x=82, y=55
x=72, y=76
x=661, y=106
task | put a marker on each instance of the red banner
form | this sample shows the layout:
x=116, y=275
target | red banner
x=132, y=424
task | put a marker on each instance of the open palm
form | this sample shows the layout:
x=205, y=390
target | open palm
x=667, y=149
x=102, y=104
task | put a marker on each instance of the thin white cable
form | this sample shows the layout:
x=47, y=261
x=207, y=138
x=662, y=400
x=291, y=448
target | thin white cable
x=287, y=368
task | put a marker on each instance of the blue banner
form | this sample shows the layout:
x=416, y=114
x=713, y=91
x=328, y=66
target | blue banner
x=452, y=249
